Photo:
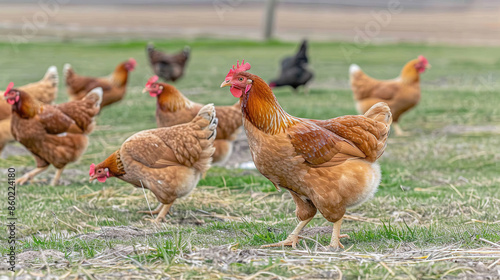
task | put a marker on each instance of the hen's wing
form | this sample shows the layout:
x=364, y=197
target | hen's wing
x=364, y=86
x=103, y=83
x=76, y=82
x=82, y=112
x=368, y=132
x=320, y=146
x=287, y=62
x=179, y=145
x=54, y=121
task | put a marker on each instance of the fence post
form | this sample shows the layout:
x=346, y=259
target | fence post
x=269, y=19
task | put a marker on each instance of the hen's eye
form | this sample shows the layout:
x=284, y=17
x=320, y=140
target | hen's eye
x=240, y=79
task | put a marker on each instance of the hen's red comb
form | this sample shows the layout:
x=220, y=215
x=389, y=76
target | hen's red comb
x=423, y=59
x=238, y=68
x=9, y=87
x=92, y=170
x=132, y=61
x=152, y=80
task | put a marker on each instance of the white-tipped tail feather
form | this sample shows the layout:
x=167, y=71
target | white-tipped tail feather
x=208, y=113
x=353, y=69
x=97, y=91
x=52, y=75
x=380, y=112
x=66, y=68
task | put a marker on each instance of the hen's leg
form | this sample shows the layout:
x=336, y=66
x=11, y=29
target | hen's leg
x=335, y=241
x=55, y=181
x=28, y=176
x=156, y=211
x=163, y=212
x=293, y=238
x=305, y=211
x=398, y=131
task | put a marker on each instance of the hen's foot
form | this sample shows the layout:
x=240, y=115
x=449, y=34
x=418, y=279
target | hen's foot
x=152, y=212
x=291, y=240
x=21, y=181
x=30, y=175
x=336, y=245
x=163, y=211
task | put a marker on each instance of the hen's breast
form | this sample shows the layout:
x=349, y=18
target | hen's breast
x=275, y=157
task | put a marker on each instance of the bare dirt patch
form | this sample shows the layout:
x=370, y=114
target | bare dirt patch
x=473, y=23
x=49, y=257
x=120, y=232
x=225, y=255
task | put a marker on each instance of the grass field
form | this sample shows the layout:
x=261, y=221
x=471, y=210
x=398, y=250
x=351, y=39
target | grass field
x=436, y=214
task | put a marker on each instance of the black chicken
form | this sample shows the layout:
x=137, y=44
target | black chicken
x=169, y=67
x=295, y=70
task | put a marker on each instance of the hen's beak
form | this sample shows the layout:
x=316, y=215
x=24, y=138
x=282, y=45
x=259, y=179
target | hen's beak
x=225, y=83
x=428, y=66
x=145, y=90
x=92, y=178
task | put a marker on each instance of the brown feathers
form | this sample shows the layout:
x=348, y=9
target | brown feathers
x=261, y=108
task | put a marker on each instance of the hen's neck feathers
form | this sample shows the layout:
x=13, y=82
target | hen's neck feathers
x=409, y=73
x=26, y=107
x=260, y=107
x=120, y=76
x=171, y=99
x=114, y=164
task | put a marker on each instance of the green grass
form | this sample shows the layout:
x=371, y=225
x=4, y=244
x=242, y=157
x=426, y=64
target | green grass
x=438, y=202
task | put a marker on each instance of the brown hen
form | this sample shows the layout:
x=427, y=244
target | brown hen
x=401, y=94
x=169, y=161
x=55, y=134
x=327, y=165
x=44, y=91
x=174, y=108
x=114, y=86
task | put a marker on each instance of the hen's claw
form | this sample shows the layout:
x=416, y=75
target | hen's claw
x=22, y=180
x=291, y=240
x=336, y=247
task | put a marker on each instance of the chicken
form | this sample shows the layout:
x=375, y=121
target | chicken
x=114, y=86
x=326, y=165
x=54, y=134
x=401, y=94
x=295, y=70
x=174, y=108
x=44, y=91
x=168, y=161
x=169, y=67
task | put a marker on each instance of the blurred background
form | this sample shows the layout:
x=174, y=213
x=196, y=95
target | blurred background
x=471, y=22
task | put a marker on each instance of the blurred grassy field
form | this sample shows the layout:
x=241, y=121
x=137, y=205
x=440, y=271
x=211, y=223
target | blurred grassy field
x=436, y=211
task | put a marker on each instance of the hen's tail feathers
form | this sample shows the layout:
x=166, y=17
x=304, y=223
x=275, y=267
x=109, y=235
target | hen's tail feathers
x=95, y=95
x=353, y=69
x=67, y=71
x=207, y=120
x=207, y=123
x=381, y=113
x=302, y=53
x=52, y=76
